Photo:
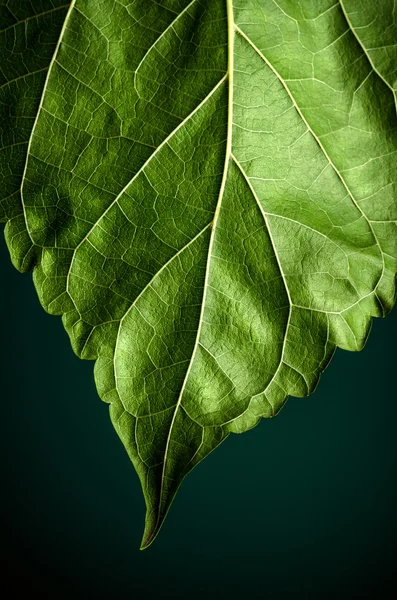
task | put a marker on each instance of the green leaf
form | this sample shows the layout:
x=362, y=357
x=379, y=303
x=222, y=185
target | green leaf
x=206, y=192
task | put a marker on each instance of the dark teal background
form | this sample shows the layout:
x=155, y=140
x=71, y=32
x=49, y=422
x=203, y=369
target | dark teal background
x=302, y=506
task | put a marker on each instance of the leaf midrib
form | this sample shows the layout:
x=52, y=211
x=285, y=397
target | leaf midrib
x=229, y=76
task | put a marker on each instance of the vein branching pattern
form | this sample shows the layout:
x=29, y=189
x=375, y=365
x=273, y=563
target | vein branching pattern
x=206, y=192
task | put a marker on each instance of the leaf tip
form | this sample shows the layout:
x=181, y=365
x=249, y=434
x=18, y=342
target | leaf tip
x=157, y=508
x=152, y=528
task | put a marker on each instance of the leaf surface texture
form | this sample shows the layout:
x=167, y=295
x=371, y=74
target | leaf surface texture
x=206, y=193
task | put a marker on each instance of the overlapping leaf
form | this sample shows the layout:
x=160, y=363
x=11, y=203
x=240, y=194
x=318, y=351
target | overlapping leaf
x=206, y=191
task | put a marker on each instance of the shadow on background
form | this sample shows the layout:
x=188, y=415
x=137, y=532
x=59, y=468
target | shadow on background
x=302, y=506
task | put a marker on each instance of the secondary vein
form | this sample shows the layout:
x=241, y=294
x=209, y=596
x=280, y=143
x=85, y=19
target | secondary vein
x=315, y=136
x=53, y=60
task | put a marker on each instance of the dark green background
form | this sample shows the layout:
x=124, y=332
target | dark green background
x=302, y=506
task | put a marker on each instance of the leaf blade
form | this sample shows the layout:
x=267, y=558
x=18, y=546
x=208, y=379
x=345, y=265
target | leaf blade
x=206, y=214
